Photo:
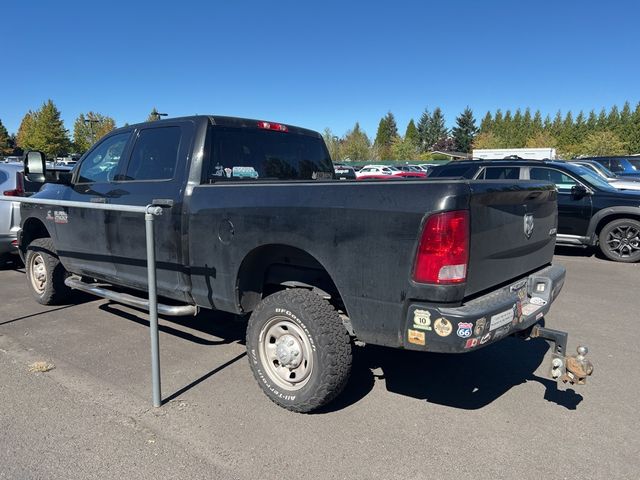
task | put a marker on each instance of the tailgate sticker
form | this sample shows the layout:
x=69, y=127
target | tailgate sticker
x=500, y=319
x=416, y=337
x=443, y=327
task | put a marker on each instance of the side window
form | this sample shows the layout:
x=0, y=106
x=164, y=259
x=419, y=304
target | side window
x=102, y=161
x=453, y=171
x=615, y=165
x=563, y=182
x=501, y=173
x=155, y=154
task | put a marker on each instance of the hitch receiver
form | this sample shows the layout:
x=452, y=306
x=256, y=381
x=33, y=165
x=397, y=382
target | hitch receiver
x=572, y=369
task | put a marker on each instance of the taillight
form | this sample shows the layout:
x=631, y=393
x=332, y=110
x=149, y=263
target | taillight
x=19, y=190
x=278, y=127
x=443, y=252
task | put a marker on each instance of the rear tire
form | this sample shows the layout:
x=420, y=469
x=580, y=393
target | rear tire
x=620, y=240
x=299, y=350
x=45, y=273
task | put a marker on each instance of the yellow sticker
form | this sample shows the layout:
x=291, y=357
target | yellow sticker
x=416, y=337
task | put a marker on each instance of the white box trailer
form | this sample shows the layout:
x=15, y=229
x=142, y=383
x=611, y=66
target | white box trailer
x=527, y=153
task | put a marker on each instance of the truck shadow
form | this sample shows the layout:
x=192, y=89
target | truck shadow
x=465, y=381
x=468, y=381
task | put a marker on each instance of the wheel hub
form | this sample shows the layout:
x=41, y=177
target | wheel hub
x=288, y=351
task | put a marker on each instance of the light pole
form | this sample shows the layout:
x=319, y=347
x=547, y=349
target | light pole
x=91, y=121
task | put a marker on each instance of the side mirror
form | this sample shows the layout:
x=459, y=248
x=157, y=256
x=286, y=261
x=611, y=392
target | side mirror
x=35, y=166
x=579, y=191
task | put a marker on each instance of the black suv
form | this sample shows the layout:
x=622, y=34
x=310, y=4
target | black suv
x=590, y=211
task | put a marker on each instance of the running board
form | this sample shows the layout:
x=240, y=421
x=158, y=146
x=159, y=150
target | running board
x=131, y=300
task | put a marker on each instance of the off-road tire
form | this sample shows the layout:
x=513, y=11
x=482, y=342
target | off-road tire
x=330, y=348
x=42, y=252
x=607, y=243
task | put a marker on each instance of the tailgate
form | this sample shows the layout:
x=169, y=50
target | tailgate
x=513, y=230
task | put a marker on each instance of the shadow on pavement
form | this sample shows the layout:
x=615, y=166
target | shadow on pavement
x=77, y=298
x=466, y=381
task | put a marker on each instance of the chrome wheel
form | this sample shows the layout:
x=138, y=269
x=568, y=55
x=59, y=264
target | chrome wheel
x=286, y=352
x=38, y=273
x=624, y=241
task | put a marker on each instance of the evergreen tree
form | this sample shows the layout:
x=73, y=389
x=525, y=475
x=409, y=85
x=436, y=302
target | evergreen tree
x=5, y=141
x=613, y=119
x=527, y=125
x=356, y=145
x=387, y=132
x=536, y=124
x=633, y=139
x=424, y=125
x=580, y=128
x=437, y=130
x=89, y=128
x=546, y=125
x=465, y=131
x=49, y=134
x=411, y=135
x=556, y=126
x=592, y=122
x=601, y=124
x=487, y=123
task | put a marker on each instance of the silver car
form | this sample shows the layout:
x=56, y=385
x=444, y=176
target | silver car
x=616, y=181
x=11, y=184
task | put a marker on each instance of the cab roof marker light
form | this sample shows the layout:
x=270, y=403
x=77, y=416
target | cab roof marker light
x=278, y=127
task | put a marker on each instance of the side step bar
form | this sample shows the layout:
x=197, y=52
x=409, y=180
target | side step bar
x=131, y=300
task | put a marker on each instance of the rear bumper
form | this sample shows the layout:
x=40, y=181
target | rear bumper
x=483, y=320
x=8, y=243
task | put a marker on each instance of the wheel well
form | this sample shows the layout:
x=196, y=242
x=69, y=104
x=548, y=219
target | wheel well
x=32, y=229
x=616, y=216
x=271, y=268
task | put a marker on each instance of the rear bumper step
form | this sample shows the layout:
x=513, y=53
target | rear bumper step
x=131, y=300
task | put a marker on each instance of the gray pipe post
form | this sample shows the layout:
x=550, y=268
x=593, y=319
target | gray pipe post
x=150, y=211
x=153, y=307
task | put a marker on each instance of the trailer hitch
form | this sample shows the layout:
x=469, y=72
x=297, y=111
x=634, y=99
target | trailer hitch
x=572, y=369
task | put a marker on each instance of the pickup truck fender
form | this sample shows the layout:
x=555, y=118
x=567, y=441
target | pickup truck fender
x=602, y=217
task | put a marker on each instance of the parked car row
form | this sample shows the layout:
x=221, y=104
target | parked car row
x=591, y=212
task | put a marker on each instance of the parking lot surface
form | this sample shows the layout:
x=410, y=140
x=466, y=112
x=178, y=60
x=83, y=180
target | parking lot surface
x=487, y=414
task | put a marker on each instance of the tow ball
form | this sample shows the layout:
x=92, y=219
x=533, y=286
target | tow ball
x=572, y=369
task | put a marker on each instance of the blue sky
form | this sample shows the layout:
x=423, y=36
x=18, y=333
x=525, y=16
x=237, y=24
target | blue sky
x=316, y=64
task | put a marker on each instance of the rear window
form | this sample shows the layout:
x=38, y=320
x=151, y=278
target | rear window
x=3, y=177
x=244, y=154
x=453, y=171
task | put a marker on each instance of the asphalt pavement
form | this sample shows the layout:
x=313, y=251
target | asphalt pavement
x=487, y=414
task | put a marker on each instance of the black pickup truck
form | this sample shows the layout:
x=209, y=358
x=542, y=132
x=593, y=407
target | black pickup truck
x=256, y=221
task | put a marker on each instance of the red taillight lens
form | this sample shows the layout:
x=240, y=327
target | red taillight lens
x=278, y=127
x=443, y=252
x=19, y=190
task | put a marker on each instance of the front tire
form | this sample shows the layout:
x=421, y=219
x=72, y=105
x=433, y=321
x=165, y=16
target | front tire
x=620, y=240
x=299, y=350
x=45, y=273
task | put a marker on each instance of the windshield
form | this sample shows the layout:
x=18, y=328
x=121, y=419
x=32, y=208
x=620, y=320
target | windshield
x=593, y=178
x=608, y=173
x=635, y=162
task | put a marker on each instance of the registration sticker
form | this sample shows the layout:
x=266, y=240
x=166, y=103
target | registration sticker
x=500, y=319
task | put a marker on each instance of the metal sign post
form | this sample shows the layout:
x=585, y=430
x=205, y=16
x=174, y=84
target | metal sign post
x=150, y=212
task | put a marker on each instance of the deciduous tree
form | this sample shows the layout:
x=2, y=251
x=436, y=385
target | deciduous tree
x=356, y=145
x=89, y=128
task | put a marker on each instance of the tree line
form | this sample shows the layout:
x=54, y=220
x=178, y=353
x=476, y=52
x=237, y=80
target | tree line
x=612, y=131
x=43, y=129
